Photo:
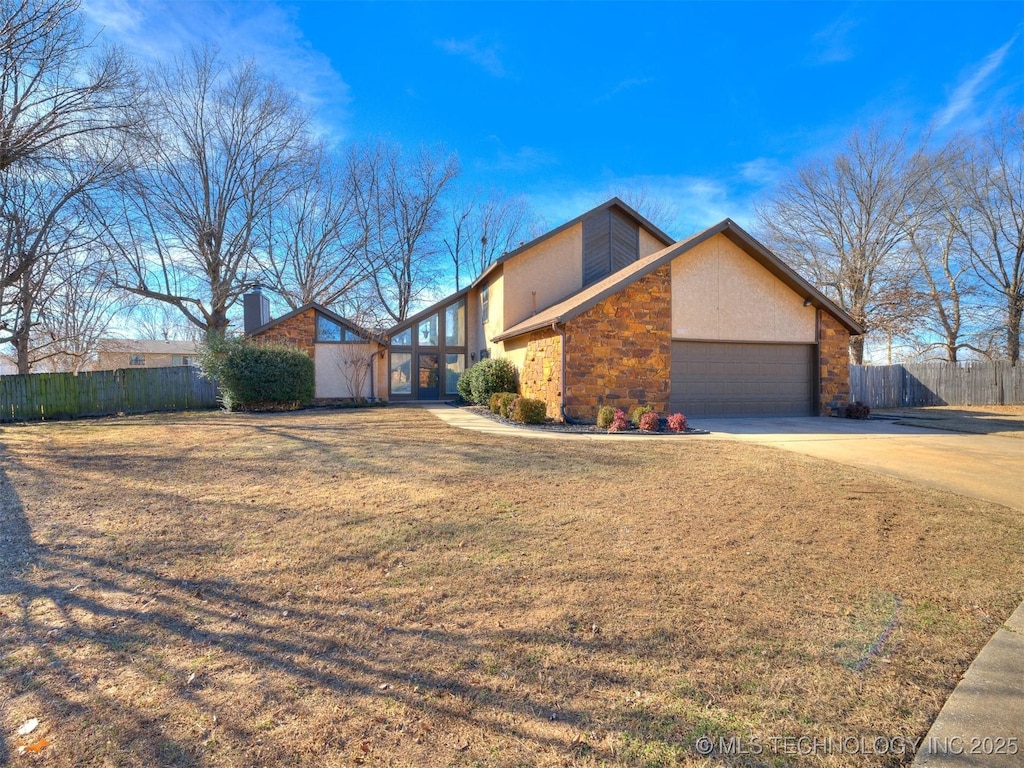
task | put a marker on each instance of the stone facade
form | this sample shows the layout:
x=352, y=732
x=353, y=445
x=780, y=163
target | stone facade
x=834, y=364
x=298, y=331
x=540, y=375
x=619, y=352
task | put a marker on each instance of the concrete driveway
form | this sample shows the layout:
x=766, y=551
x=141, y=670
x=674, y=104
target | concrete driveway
x=988, y=467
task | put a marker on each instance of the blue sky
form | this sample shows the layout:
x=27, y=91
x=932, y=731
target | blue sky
x=702, y=105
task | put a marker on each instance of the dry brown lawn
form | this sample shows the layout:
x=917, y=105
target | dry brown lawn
x=375, y=588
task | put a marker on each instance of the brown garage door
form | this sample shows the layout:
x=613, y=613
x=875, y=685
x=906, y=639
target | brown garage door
x=741, y=379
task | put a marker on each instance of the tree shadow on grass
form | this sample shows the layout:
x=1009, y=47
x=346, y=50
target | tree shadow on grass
x=113, y=649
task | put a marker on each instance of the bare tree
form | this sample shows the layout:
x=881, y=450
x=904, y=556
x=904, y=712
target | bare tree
x=80, y=311
x=399, y=205
x=315, y=240
x=481, y=229
x=54, y=85
x=221, y=149
x=655, y=209
x=48, y=211
x=988, y=181
x=843, y=222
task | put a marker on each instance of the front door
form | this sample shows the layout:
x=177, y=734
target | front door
x=429, y=376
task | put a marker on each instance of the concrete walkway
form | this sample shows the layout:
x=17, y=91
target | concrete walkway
x=982, y=722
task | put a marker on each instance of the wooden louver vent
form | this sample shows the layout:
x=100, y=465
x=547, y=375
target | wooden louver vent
x=611, y=241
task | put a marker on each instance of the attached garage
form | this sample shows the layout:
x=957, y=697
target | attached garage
x=737, y=379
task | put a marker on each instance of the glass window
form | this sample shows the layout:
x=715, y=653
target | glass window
x=352, y=337
x=401, y=373
x=428, y=332
x=454, y=366
x=327, y=329
x=137, y=360
x=484, y=309
x=181, y=360
x=402, y=338
x=455, y=324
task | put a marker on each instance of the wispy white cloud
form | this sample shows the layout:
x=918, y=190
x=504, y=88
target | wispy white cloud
x=625, y=85
x=761, y=171
x=156, y=30
x=484, y=56
x=972, y=83
x=831, y=44
x=524, y=159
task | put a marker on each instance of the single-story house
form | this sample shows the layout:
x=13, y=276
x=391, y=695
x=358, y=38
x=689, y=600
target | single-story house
x=609, y=310
x=114, y=354
x=349, y=361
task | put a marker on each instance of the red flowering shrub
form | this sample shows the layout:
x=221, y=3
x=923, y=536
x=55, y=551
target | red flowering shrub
x=677, y=422
x=650, y=422
x=619, y=422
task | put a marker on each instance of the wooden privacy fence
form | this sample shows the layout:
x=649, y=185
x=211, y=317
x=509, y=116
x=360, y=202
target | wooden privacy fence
x=46, y=396
x=917, y=384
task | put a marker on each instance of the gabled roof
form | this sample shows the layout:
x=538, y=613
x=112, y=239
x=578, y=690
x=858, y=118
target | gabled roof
x=590, y=296
x=147, y=346
x=342, y=321
x=613, y=203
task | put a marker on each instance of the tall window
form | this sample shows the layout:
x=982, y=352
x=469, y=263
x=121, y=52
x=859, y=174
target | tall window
x=484, y=305
x=455, y=324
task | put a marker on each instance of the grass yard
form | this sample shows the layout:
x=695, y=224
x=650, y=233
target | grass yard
x=374, y=588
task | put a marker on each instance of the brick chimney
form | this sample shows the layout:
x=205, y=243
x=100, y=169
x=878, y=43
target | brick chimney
x=255, y=310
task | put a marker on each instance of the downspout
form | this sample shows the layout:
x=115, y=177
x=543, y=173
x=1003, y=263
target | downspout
x=561, y=405
x=373, y=364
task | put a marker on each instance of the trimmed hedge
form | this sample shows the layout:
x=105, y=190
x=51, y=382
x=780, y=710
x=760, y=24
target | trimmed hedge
x=488, y=376
x=259, y=377
x=526, y=410
x=605, y=416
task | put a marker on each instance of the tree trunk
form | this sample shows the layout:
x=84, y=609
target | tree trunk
x=1013, y=319
x=857, y=350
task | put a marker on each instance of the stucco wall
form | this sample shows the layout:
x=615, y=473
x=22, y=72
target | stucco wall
x=496, y=315
x=619, y=352
x=343, y=370
x=719, y=293
x=649, y=243
x=554, y=269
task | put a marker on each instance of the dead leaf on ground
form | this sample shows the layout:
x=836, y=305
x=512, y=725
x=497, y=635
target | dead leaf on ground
x=28, y=726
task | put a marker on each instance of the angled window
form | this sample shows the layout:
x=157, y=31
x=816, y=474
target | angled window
x=402, y=338
x=327, y=329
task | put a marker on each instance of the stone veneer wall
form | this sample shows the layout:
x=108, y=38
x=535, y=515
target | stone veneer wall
x=834, y=364
x=298, y=331
x=619, y=352
x=541, y=373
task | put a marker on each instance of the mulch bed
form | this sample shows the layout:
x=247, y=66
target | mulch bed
x=576, y=428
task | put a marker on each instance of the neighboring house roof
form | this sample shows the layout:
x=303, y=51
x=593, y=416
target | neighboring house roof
x=345, y=322
x=613, y=203
x=148, y=346
x=589, y=297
